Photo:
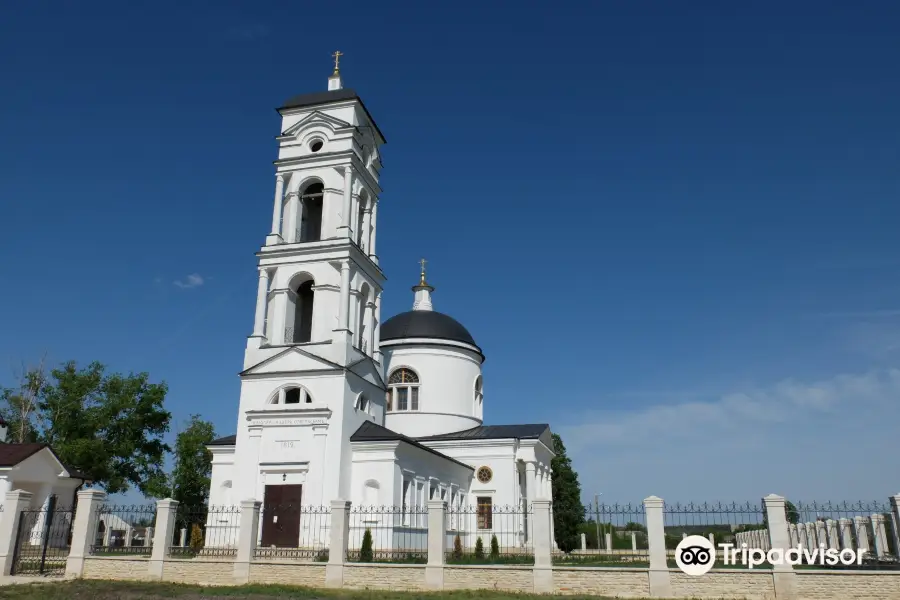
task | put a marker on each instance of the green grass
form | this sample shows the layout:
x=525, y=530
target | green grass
x=121, y=590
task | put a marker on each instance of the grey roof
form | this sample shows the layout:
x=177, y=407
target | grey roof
x=228, y=440
x=317, y=98
x=534, y=431
x=425, y=324
x=371, y=432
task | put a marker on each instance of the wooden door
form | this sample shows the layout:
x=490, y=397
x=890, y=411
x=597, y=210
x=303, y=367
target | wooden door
x=281, y=516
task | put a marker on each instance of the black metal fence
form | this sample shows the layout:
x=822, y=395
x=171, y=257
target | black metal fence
x=867, y=527
x=388, y=534
x=612, y=535
x=43, y=540
x=124, y=529
x=291, y=531
x=488, y=534
x=205, y=531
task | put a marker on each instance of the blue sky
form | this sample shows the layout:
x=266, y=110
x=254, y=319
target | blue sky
x=671, y=226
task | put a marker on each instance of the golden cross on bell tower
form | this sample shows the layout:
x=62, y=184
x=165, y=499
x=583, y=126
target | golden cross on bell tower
x=337, y=60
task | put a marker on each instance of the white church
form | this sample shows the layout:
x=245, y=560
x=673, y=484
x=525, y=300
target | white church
x=334, y=403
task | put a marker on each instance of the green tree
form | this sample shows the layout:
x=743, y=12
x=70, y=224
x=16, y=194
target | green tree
x=365, y=551
x=457, y=547
x=189, y=481
x=568, y=511
x=479, y=548
x=495, y=548
x=196, y=538
x=106, y=425
x=790, y=513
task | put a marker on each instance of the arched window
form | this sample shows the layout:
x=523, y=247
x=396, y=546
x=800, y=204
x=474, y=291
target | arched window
x=479, y=397
x=404, y=390
x=292, y=395
x=362, y=404
x=301, y=332
x=311, y=222
x=360, y=218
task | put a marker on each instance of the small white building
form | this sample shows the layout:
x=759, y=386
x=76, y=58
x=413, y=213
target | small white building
x=335, y=404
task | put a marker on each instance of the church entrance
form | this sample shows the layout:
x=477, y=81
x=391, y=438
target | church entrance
x=281, y=516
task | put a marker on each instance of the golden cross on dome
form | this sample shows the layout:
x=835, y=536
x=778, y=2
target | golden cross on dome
x=422, y=262
x=337, y=59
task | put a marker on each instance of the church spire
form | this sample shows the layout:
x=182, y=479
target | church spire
x=423, y=291
x=334, y=82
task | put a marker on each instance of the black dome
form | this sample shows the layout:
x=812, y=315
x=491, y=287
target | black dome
x=425, y=324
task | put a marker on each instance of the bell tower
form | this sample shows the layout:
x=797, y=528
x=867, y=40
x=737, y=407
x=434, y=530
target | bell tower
x=319, y=279
x=313, y=369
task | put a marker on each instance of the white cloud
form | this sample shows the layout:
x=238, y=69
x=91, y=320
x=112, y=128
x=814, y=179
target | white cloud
x=834, y=439
x=191, y=281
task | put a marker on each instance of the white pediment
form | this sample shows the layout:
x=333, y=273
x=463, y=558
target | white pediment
x=292, y=360
x=315, y=118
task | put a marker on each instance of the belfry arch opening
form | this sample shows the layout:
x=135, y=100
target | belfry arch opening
x=300, y=307
x=311, y=221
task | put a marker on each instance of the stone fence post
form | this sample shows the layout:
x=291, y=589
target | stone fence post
x=16, y=501
x=337, y=546
x=783, y=575
x=84, y=529
x=880, y=534
x=660, y=582
x=543, y=547
x=437, y=544
x=162, y=537
x=246, y=539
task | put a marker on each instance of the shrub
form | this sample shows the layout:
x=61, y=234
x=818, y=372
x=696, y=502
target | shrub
x=196, y=538
x=479, y=548
x=495, y=548
x=365, y=552
x=457, y=548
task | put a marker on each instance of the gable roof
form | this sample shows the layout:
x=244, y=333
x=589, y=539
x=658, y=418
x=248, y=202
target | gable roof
x=318, y=98
x=13, y=454
x=370, y=432
x=228, y=440
x=533, y=431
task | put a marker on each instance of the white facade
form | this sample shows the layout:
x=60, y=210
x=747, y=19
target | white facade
x=316, y=369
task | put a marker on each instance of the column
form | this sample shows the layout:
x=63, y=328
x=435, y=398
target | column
x=371, y=248
x=367, y=219
x=895, y=515
x=344, y=313
x=862, y=534
x=543, y=564
x=346, y=211
x=660, y=583
x=376, y=329
x=846, y=533
x=831, y=529
x=162, y=536
x=821, y=537
x=355, y=223
x=880, y=532
x=337, y=547
x=530, y=485
x=784, y=577
x=792, y=535
x=247, y=536
x=275, y=236
x=552, y=519
x=262, y=290
x=369, y=318
x=129, y=533
x=13, y=505
x=437, y=544
x=250, y=467
x=802, y=537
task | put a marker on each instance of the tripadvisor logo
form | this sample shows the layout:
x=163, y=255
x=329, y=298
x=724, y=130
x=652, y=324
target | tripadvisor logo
x=696, y=555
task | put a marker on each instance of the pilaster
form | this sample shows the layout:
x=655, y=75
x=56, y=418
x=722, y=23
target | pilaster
x=162, y=537
x=84, y=527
